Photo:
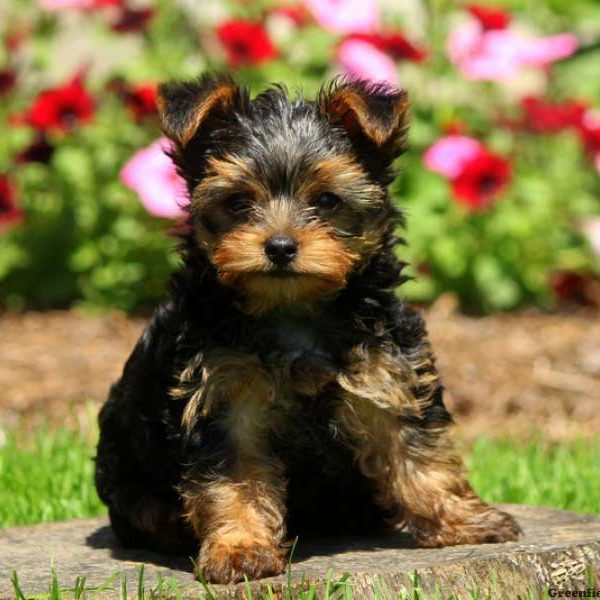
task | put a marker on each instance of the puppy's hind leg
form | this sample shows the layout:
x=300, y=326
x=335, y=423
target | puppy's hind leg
x=394, y=419
x=147, y=519
x=143, y=512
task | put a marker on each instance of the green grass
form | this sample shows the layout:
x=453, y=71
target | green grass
x=538, y=473
x=331, y=589
x=49, y=476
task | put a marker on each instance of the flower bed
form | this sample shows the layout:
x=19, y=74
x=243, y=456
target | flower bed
x=501, y=184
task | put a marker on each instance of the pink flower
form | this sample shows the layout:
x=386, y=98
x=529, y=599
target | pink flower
x=500, y=54
x=64, y=4
x=539, y=52
x=55, y=5
x=151, y=174
x=450, y=154
x=476, y=175
x=591, y=230
x=393, y=43
x=362, y=60
x=345, y=16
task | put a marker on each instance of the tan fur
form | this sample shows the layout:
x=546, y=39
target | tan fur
x=416, y=471
x=321, y=266
x=237, y=517
x=221, y=98
x=348, y=107
x=225, y=176
x=341, y=174
x=241, y=251
x=382, y=376
x=344, y=176
x=322, y=255
x=241, y=515
x=207, y=381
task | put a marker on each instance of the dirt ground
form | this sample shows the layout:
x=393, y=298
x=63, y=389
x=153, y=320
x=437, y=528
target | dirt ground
x=515, y=374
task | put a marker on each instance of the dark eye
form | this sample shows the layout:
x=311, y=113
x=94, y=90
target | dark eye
x=237, y=204
x=326, y=201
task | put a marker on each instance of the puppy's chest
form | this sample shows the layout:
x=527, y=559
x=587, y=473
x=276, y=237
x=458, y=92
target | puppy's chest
x=298, y=354
x=282, y=363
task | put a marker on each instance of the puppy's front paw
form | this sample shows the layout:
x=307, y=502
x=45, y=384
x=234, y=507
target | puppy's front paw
x=222, y=562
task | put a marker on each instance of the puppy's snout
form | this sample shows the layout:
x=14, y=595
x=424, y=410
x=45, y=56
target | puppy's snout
x=281, y=249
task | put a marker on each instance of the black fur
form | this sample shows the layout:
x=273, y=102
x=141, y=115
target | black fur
x=143, y=455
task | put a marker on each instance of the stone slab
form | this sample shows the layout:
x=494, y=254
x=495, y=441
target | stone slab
x=559, y=549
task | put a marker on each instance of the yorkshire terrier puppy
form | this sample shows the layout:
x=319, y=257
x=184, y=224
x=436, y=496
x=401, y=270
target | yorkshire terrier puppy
x=284, y=388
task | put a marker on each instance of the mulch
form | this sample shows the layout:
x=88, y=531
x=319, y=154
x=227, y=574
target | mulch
x=518, y=374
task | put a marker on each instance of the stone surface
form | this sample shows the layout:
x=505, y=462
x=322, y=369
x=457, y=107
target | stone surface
x=559, y=549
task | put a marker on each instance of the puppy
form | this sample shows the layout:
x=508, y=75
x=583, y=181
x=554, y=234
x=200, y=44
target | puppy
x=284, y=388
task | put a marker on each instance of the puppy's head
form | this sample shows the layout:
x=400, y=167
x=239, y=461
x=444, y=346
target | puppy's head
x=288, y=197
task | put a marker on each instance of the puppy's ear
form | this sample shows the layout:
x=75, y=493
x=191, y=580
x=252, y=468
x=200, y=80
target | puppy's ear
x=185, y=107
x=372, y=113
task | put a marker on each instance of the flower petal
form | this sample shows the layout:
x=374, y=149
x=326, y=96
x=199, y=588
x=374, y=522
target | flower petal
x=152, y=175
x=362, y=60
x=449, y=154
x=345, y=16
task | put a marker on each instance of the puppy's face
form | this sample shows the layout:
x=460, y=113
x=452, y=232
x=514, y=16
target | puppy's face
x=287, y=197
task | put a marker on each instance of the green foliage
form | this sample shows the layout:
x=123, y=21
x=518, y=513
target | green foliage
x=86, y=238
x=47, y=476
x=503, y=258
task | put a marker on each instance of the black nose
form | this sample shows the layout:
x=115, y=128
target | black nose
x=281, y=249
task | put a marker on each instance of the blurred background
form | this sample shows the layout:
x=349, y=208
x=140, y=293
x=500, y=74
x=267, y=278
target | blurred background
x=501, y=188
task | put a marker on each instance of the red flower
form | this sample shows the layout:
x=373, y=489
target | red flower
x=394, y=44
x=481, y=179
x=133, y=20
x=246, y=43
x=9, y=212
x=8, y=78
x=62, y=107
x=490, y=17
x=547, y=117
x=574, y=288
x=589, y=130
x=39, y=151
x=141, y=101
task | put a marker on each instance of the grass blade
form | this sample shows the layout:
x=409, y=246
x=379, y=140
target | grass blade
x=140, y=585
x=105, y=585
x=19, y=595
x=54, y=588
